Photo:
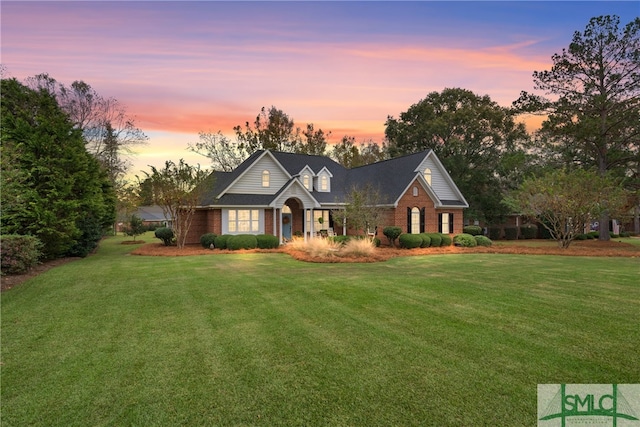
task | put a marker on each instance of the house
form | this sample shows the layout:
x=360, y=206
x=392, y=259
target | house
x=287, y=194
x=151, y=216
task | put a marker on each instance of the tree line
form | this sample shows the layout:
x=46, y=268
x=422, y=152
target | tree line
x=65, y=148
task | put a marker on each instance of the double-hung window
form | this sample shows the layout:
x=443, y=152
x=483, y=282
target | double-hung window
x=244, y=220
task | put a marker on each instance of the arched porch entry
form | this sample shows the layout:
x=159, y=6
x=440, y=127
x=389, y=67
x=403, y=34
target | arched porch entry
x=292, y=219
x=299, y=220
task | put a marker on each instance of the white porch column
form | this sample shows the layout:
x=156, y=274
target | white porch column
x=312, y=230
x=344, y=227
x=275, y=222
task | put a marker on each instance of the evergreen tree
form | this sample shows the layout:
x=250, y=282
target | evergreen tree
x=53, y=188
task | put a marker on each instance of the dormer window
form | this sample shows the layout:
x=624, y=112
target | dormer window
x=306, y=181
x=324, y=183
x=265, y=178
x=427, y=175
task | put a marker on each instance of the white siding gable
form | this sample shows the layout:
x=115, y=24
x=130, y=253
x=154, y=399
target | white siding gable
x=251, y=181
x=297, y=191
x=307, y=172
x=323, y=181
x=440, y=181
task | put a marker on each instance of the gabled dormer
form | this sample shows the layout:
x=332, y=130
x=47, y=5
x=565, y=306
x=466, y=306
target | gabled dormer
x=306, y=178
x=322, y=182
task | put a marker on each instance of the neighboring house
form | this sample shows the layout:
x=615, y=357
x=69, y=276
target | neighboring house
x=153, y=215
x=286, y=194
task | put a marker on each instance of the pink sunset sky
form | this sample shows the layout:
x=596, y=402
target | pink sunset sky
x=185, y=67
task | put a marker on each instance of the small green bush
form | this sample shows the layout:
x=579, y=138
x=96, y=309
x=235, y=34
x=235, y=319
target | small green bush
x=581, y=237
x=529, y=231
x=511, y=233
x=625, y=234
x=392, y=233
x=593, y=234
x=220, y=242
x=426, y=240
x=436, y=239
x=474, y=230
x=341, y=239
x=206, y=240
x=242, y=241
x=267, y=241
x=495, y=233
x=19, y=254
x=483, y=241
x=410, y=241
x=465, y=240
x=446, y=240
x=165, y=234
x=377, y=242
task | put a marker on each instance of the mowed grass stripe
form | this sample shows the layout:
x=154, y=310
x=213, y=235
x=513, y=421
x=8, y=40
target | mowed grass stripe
x=261, y=339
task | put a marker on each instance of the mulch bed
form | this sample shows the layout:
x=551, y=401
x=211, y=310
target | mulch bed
x=578, y=248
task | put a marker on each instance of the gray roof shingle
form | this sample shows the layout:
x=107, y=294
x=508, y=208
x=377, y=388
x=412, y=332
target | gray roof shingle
x=391, y=178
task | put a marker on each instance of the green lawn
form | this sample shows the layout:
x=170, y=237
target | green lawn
x=262, y=339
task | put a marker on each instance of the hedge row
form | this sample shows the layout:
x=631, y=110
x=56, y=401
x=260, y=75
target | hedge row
x=239, y=241
x=424, y=240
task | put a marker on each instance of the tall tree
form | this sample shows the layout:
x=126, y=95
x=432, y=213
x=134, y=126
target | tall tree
x=110, y=134
x=473, y=136
x=271, y=130
x=351, y=155
x=52, y=188
x=178, y=189
x=314, y=142
x=225, y=154
x=594, y=118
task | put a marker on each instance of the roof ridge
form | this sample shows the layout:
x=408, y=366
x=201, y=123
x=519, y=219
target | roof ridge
x=424, y=152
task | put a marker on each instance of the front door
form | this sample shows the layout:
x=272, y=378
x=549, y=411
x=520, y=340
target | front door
x=286, y=226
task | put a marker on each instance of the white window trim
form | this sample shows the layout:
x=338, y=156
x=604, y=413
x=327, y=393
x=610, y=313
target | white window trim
x=232, y=222
x=415, y=220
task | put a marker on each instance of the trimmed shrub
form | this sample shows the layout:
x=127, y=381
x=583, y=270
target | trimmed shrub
x=165, y=234
x=474, y=230
x=495, y=233
x=19, y=253
x=377, y=242
x=625, y=234
x=426, y=240
x=220, y=242
x=465, y=240
x=242, y=241
x=436, y=239
x=267, y=241
x=446, y=240
x=206, y=240
x=581, y=237
x=392, y=233
x=529, y=231
x=593, y=234
x=410, y=241
x=483, y=241
x=511, y=233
